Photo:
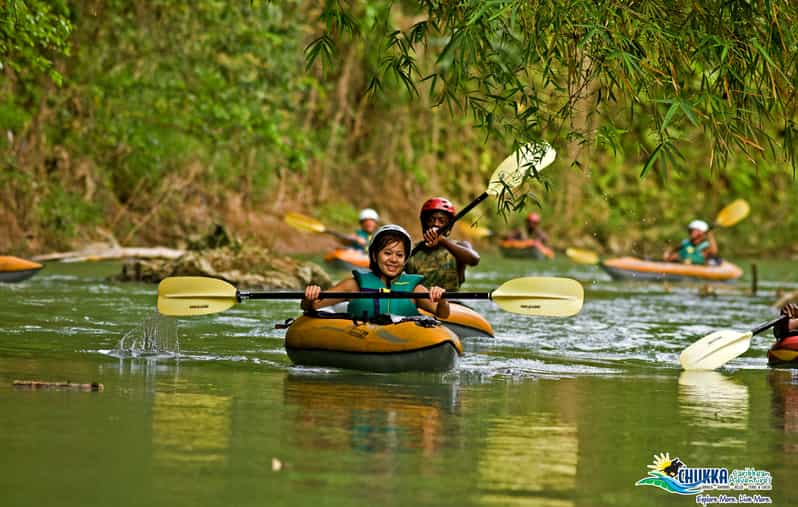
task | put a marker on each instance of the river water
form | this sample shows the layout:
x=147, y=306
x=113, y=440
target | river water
x=551, y=412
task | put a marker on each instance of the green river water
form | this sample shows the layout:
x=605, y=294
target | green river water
x=551, y=412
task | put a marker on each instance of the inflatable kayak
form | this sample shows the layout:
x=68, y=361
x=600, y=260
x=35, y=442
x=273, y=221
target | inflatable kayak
x=784, y=353
x=14, y=269
x=347, y=259
x=465, y=322
x=632, y=268
x=525, y=248
x=406, y=344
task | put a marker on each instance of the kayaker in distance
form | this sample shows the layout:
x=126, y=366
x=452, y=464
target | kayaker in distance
x=791, y=326
x=368, y=224
x=531, y=231
x=441, y=260
x=388, y=250
x=699, y=248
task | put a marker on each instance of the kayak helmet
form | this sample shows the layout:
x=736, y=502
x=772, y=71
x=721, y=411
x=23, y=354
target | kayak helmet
x=435, y=204
x=382, y=237
x=368, y=214
x=698, y=225
x=533, y=218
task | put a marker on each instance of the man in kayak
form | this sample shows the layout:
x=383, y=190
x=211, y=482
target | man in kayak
x=388, y=250
x=368, y=224
x=442, y=261
x=699, y=248
x=532, y=230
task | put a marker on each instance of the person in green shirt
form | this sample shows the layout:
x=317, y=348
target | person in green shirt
x=441, y=260
x=699, y=248
x=388, y=250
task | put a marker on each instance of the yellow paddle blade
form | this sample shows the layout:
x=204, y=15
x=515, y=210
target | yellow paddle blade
x=182, y=296
x=545, y=296
x=581, y=256
x=303, y=222
x=733, y=213
x=715, y=349
x=512, y=170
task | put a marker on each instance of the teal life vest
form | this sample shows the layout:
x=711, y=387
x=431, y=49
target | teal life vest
x=360, y=233
x=367, y=281
x=693, y=254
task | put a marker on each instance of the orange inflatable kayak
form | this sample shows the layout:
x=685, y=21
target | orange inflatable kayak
x=784, y=353
x=14, y=269
x=409, y=344
x=465, y=322
x=347, y=259
x=525, y=248
x=632, y=268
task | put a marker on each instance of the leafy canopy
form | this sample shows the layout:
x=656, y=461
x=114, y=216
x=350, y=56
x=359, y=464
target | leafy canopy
x=590, y=72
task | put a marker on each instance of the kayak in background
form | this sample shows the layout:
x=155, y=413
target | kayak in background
x=14, y=269
x=525, y=248
x=632, y=268
x=407, y=344
x=347, y=259
x=784, y=353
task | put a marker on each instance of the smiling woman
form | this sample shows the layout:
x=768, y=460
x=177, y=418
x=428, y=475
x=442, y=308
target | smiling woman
x=388, y=252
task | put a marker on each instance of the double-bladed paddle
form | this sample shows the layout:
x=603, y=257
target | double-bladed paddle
x=543, y=296
x=731, y=214
x=308, y=224
x=528, y=160
x=718, y=348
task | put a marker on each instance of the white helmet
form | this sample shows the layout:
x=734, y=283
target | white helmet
x=385, y=229
x=368, y=214
x=698, y=225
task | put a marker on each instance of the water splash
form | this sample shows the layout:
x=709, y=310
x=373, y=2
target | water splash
x=155, y=337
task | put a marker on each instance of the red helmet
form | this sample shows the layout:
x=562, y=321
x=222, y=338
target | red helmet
x=437, y=204
x=533, y=218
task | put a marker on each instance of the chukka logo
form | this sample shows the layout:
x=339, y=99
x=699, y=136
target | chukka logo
x=674, y=476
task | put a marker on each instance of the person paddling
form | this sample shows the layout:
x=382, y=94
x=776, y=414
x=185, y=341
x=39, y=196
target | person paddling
x=388, y=250
x=368, y=224
x=789, y=327
x=532, y=230
x=699, y=248
x=442, y=261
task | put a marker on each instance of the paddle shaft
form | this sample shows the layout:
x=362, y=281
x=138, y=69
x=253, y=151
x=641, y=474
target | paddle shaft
x=242, y=295
x=768, y=325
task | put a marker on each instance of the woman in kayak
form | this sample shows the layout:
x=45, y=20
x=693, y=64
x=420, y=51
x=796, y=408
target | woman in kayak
x=699, y=248
x=442, y=261
x=388, y=250
x=368, y=219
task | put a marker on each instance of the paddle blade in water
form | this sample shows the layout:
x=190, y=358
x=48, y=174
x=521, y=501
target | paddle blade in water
x=544, y=296
x=528, y=159
x=303, y=222
x=715, y=349
x=582, y=256
x=182, y=296
x=733, y=213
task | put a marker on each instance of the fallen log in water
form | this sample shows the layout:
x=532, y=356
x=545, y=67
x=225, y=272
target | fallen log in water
x=40, y=384
x=111, y=253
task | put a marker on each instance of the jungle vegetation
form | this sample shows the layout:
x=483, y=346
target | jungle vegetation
x=149, y=121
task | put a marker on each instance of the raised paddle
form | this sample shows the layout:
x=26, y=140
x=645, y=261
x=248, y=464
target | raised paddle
x=732, y=214
x=308, y=224
x=718, y=348
x=528, y=160
x=544, y=296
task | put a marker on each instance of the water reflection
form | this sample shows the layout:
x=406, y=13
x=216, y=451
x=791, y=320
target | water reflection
x=529, y=460
x=784, y=388
x=711, y=401
x=191, y=428
x=357, y=413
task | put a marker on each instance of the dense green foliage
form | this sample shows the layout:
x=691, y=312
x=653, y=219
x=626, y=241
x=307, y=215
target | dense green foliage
x=152, y=120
